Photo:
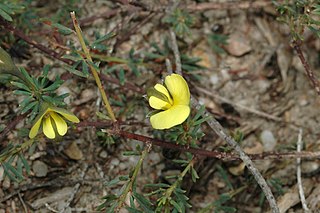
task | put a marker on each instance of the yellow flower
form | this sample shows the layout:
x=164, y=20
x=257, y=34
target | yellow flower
x=173, y=99
x=53, y=120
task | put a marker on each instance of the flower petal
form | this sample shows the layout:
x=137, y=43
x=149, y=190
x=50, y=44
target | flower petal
x=178, y=88
x=164, y=91
x=35, y=128
x=61, y=124
x=48, y=128
x=159, y=102
x=66, y=114
x=174, y=116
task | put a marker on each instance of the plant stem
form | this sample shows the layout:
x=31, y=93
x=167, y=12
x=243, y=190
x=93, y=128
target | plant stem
x=92, y=68
x=15, y=150
x=312, y=78
x=132, y=180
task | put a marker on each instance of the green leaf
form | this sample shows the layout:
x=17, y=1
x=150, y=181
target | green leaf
x=56, y=84
x=176, y=205
x=6, y=9
x=26, y=101
x=73, y=57
x=45, y=70
x=121, y=76
x=113, y=182
x=26, y=75
x=144, y=203
x=183, y=162
x=133, y=210
x=29, y=106
x=49, y=99
x=76, y=72
x=157, y=185
x=130, y=153
x=5, y=15
x=85, y=68
x=200, y=121
x=12, y=170
x=20, y=85
x=194, y=175
x=103, y=38
x=22, y=92
x=25, y=163
x=134, y=68
x=62, y=29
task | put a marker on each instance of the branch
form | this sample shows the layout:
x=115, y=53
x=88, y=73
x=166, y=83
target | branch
x=299, y=181
x=11, y=125
x=9, y=28
x=314, y=81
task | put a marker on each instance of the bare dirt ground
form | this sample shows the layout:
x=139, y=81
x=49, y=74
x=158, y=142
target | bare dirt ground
x=257, y=86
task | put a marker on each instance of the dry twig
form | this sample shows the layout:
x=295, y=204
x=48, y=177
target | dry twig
x=313, y=79
x=300, y=187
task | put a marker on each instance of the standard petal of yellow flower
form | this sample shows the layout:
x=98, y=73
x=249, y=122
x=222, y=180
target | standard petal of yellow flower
x=158, y=103
x=163, y=90
x=61, y=124
x=66, y=114
x=175, y=115
x=178, y=88
x=35, y=128
x=48, y=128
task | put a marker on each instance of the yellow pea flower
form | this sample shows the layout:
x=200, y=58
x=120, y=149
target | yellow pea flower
x=52, y=120
x=173, y=100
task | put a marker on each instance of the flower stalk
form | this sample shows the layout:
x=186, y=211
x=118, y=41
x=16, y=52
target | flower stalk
x=92, y=68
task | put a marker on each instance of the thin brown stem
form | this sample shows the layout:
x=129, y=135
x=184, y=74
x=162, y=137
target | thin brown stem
x=312, y=78
x=9, y=28
x=214, y=154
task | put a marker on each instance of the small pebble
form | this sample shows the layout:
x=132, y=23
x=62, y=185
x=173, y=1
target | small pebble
x=6, y=183
x=238, y=45
x=268, y=140
x=103, y=154
x=39, y=168
x=309, y=166
x=73, y=151
x=214, y=79
x=63, y=90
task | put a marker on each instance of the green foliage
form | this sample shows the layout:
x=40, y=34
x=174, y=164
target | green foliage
x=15, y=172
x=217, y=205
x=106, y=139
x=38, y=90
x=113, y=202
x=14, y=162
x=181, y=21
x=171, y=198
x=224, y=175
x=10, y=8
x=216, y=41
x=299, y=15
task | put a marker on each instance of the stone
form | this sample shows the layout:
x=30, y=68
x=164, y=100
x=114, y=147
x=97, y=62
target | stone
x=268, y=140
x=73, y=151
x=238, y=45
x=39, y=168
